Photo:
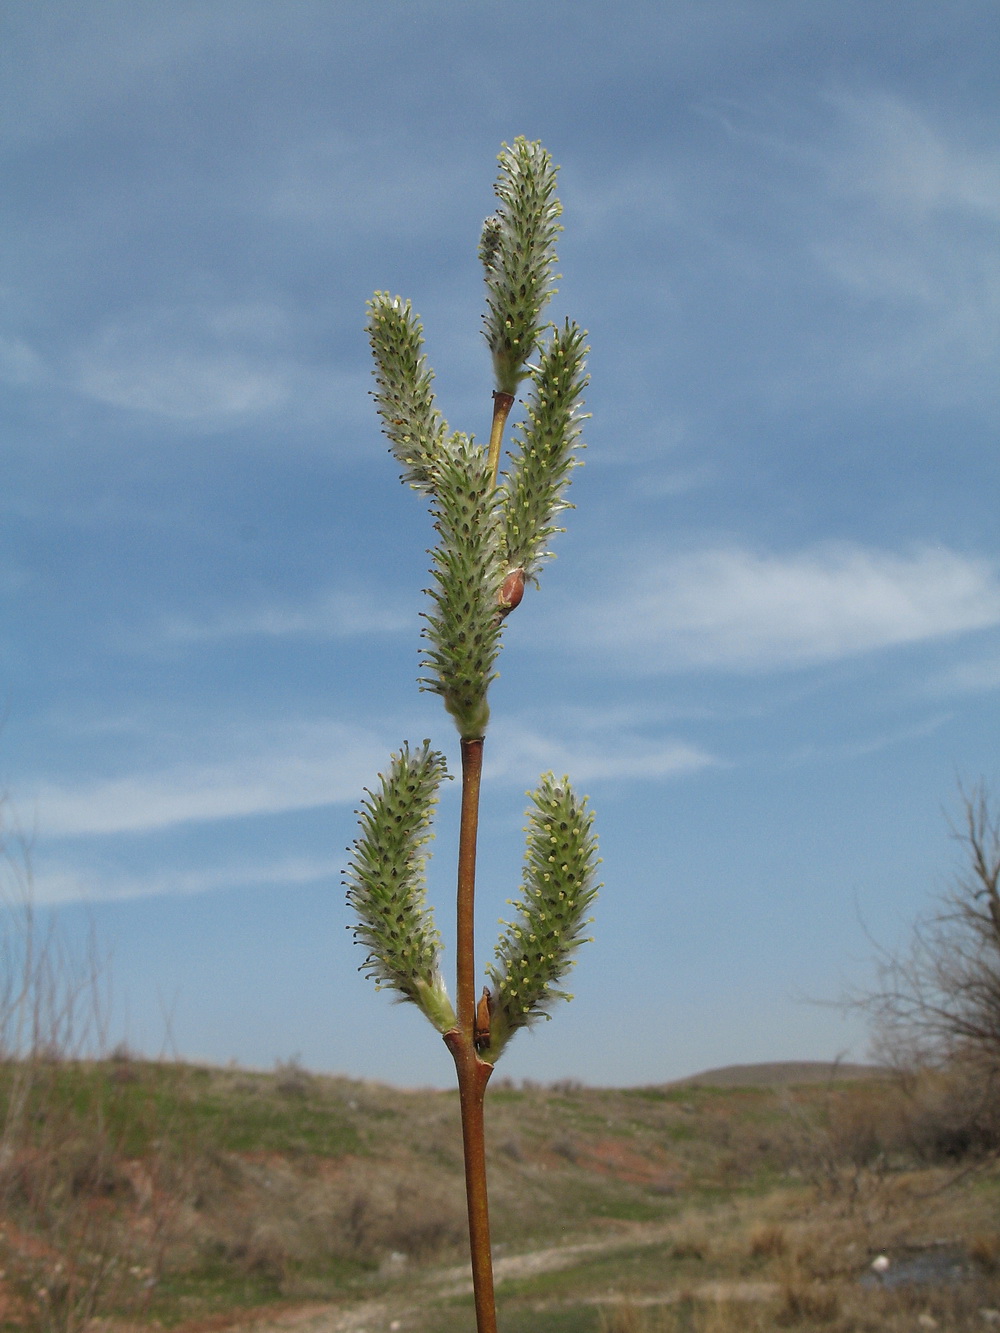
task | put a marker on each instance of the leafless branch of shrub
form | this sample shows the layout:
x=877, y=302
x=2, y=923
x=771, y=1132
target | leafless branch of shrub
x=940, y=999
x=935, y=1005
x=67, y=1248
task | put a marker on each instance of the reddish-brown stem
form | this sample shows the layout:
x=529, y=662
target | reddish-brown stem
x=502, y=403
x=472, y=771
x=473, y=1073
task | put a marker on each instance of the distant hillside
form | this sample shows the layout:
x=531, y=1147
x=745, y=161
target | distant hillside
x=779, y=1073
x=154, y=1196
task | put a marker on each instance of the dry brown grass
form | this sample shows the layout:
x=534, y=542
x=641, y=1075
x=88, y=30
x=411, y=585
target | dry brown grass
x=810, y=1311
x=216, y=1189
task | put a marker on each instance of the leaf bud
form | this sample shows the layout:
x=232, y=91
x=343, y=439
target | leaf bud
x=511, y=592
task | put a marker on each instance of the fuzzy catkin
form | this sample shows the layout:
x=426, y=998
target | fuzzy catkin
x=491, y=539
x=385, y=883
x=543, y=459
x=463, y=629
x=557, y=891
x=517, y=250
x=415, y=428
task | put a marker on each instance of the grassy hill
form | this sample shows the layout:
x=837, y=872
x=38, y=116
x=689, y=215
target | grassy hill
x=780, y=1074
x=178, y=1194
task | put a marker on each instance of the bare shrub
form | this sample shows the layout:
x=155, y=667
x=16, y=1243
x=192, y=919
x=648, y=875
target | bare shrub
x=939, y=1001
x=844, y=1147
x=359, y=1222
x=685, y=1315
x=70, y=1250
x=83, y=1231
x=264, y=1253
x=804, y=1302
x=767, y=1241
x=293, y=1080
x=566, y=1146
x=984, y=1251
x=953, y=1114
x=691, y=1243
x=624, y=1318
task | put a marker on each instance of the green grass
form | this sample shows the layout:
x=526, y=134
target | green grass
x=233, y=1189
x=138, y=1102
x=459, y=1317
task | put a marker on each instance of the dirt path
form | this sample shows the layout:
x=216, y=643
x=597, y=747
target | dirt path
x=391, y=1311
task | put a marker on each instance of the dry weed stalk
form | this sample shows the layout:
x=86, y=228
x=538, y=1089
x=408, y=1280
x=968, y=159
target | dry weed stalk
x=72, y=1243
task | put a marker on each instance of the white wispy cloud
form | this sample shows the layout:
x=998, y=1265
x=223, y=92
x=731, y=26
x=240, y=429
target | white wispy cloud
x=915, y=208
x=733, y=609
x=872, y=743
x=20, y=363
x=594, y=753
x=53, y=882
x=979, y=675
x=338, y=614
x=204, y=364
x=299, y=768
x=125, y=366
x=911, y=165
x=327, y=182
x=305, y=766
x=888, y=211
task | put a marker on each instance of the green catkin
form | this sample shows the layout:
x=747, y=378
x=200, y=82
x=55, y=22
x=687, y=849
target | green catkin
x=463, y=629
x=543, y=459
x=557, y=891
x=385, y=883
x=405, y=401
x=491, y=538
x=517, y=250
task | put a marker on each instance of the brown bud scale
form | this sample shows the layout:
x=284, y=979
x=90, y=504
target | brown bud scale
x=511, y=591
x=484, y=1013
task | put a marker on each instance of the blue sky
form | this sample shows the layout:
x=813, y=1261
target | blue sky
x=770, y=644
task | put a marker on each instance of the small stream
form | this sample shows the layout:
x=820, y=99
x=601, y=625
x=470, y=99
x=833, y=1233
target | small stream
x=938, y=1267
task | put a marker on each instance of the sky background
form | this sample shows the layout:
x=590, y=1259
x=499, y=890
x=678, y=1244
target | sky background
x=770, y=645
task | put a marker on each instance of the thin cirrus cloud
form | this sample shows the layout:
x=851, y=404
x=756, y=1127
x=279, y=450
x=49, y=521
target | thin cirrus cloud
x=737, y=610
x=970, y=677
x=600, y=753
x=202, y=365
x=338, y=614
x=898, y=186
x=307, y=768
x=187, y=363
x=326, y=765
x=912, y=166
x=54, y=883
x=20, y=364
x=181, y=384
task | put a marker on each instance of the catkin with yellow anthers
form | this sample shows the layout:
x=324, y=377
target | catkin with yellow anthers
x=542, y=459
x=463, y=629
x=517, y=250
x=385, y=883
x=535, y=950
x=416, y=430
